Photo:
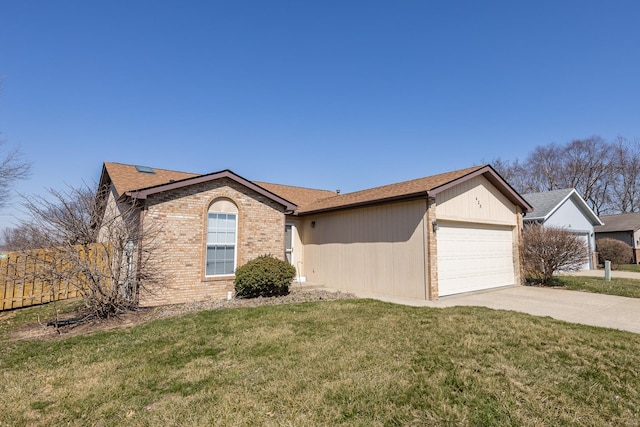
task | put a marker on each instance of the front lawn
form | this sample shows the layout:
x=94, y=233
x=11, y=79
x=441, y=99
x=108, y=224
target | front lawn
x=351, y=362
x=628, y=267
x=617, y=286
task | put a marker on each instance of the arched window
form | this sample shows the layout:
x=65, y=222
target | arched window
x=222, y=232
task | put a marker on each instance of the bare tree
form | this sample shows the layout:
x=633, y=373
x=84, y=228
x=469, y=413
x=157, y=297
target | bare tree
x=100, y=249
x=12, y=168
x=544, y=169
x=513, y=172
x=587, y=167
x=605, y=174
x=626, y=169
x=548, y=250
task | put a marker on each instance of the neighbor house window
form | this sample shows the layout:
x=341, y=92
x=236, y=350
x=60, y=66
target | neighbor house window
x=222, y=232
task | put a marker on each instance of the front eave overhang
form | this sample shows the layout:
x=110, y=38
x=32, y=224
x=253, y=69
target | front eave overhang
x=144, y=193
x=381, y=201
x=487, y=171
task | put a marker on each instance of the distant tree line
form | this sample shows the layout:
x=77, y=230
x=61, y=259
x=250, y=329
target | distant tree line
x=605, y=173
x=12, y=168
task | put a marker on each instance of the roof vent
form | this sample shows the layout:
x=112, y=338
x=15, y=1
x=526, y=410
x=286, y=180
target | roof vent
x=144, y=169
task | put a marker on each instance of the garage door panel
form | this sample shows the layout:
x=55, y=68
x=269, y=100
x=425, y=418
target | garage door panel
x=474, y=257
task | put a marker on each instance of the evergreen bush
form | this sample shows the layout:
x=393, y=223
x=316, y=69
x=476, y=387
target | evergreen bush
x=264, y=276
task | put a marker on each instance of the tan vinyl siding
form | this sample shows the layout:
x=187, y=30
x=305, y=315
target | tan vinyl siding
x=378, y=249
x=298, y=247
x=475, y=200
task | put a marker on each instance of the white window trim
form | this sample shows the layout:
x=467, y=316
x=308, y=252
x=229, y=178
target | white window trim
x=235, y=247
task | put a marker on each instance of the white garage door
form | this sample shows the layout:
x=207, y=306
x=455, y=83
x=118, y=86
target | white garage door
x=584, y=238
x=472, y=257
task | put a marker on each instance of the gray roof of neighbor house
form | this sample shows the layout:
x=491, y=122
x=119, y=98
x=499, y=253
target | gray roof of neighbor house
x=547, y=202
x=619, y=222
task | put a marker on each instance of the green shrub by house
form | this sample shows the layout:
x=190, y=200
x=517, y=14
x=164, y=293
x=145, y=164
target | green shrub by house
x=264, y=276
x=613, y=250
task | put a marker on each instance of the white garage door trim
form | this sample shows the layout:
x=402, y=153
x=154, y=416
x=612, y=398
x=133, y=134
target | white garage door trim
x=474, y=257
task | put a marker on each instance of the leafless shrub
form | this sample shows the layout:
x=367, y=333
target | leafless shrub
x=548, y=250
x=98, y=248
x=613, y=250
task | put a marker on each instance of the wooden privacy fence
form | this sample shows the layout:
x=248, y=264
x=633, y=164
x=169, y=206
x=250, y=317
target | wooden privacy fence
x=39, y=276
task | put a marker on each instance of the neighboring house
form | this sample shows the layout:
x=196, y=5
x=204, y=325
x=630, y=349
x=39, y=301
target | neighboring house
x=623, y=227
x=449, y=233
x=566, y=209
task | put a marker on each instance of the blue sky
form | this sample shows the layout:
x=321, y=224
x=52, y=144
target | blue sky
x=325, y=94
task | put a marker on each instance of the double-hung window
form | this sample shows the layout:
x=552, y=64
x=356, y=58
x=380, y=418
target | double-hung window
x=222, y=226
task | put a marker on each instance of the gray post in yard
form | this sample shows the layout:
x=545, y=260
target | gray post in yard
x=607, y=271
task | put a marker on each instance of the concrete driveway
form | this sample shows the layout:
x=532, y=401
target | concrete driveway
x=572, y=306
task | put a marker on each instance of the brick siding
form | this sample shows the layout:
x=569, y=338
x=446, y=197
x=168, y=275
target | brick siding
x=432, y=250
x=181, y=215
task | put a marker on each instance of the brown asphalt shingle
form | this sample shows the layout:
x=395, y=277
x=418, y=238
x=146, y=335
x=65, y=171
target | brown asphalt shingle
x=620, y=222
x=299, y=195
x=387, y=192
x=127, y=178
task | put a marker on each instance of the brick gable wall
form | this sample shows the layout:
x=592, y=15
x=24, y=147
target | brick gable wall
x=182, y=217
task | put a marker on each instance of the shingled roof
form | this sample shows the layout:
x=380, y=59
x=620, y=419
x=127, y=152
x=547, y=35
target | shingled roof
x=428, y=186
x=301, y=196
x=129, y=179
x=620, y=222
x=547, y=202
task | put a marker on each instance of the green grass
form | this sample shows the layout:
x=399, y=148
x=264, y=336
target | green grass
x=352, y=362
x=628, y=267
x=617, y=286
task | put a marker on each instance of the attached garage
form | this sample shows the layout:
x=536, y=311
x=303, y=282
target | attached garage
x=473, y=257
x=435, y=236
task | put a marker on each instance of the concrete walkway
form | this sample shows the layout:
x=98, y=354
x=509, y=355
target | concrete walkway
x=572, y=306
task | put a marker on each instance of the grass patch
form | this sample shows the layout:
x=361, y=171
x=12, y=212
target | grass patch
x=627, y=267
x=617, y=286
x=352, y=362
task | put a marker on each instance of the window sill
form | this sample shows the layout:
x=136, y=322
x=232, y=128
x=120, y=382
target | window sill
x=219, y=278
